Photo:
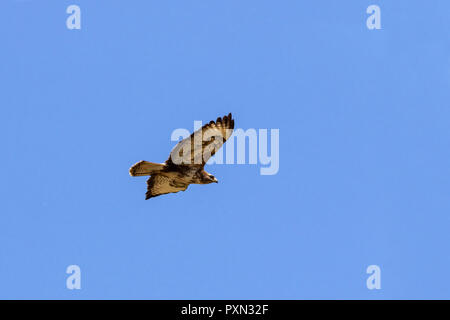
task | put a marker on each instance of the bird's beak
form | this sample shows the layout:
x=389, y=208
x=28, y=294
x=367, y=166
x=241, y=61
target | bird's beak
x=215, y=180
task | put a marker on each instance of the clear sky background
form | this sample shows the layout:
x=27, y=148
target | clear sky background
x=364, y=119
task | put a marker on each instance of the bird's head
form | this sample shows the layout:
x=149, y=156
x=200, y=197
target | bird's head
x=209, y=178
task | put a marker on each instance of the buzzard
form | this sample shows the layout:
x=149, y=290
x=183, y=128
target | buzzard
x=187, y=160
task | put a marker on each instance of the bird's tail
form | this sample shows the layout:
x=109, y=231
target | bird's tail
x=145, y=168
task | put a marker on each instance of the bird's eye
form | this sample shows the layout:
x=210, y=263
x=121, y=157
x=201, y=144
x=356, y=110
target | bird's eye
x=211, y=176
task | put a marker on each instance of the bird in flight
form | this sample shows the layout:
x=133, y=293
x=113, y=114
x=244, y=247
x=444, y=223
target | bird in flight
x=187, y=160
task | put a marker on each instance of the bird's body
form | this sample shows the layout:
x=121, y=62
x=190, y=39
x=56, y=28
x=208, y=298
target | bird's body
x=186, y=163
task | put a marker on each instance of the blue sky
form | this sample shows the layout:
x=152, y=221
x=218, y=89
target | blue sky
x=364, y=126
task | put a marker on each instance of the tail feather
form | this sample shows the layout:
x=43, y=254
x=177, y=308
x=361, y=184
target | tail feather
x=145, y=168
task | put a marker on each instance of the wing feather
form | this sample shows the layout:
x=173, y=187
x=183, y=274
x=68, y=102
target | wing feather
x=203, y=143
x=159, y=184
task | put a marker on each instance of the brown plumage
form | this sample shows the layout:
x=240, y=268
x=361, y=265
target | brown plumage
x=186, y=162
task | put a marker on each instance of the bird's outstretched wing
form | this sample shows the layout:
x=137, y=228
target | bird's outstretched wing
x=203, y=143
x=159, y=184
